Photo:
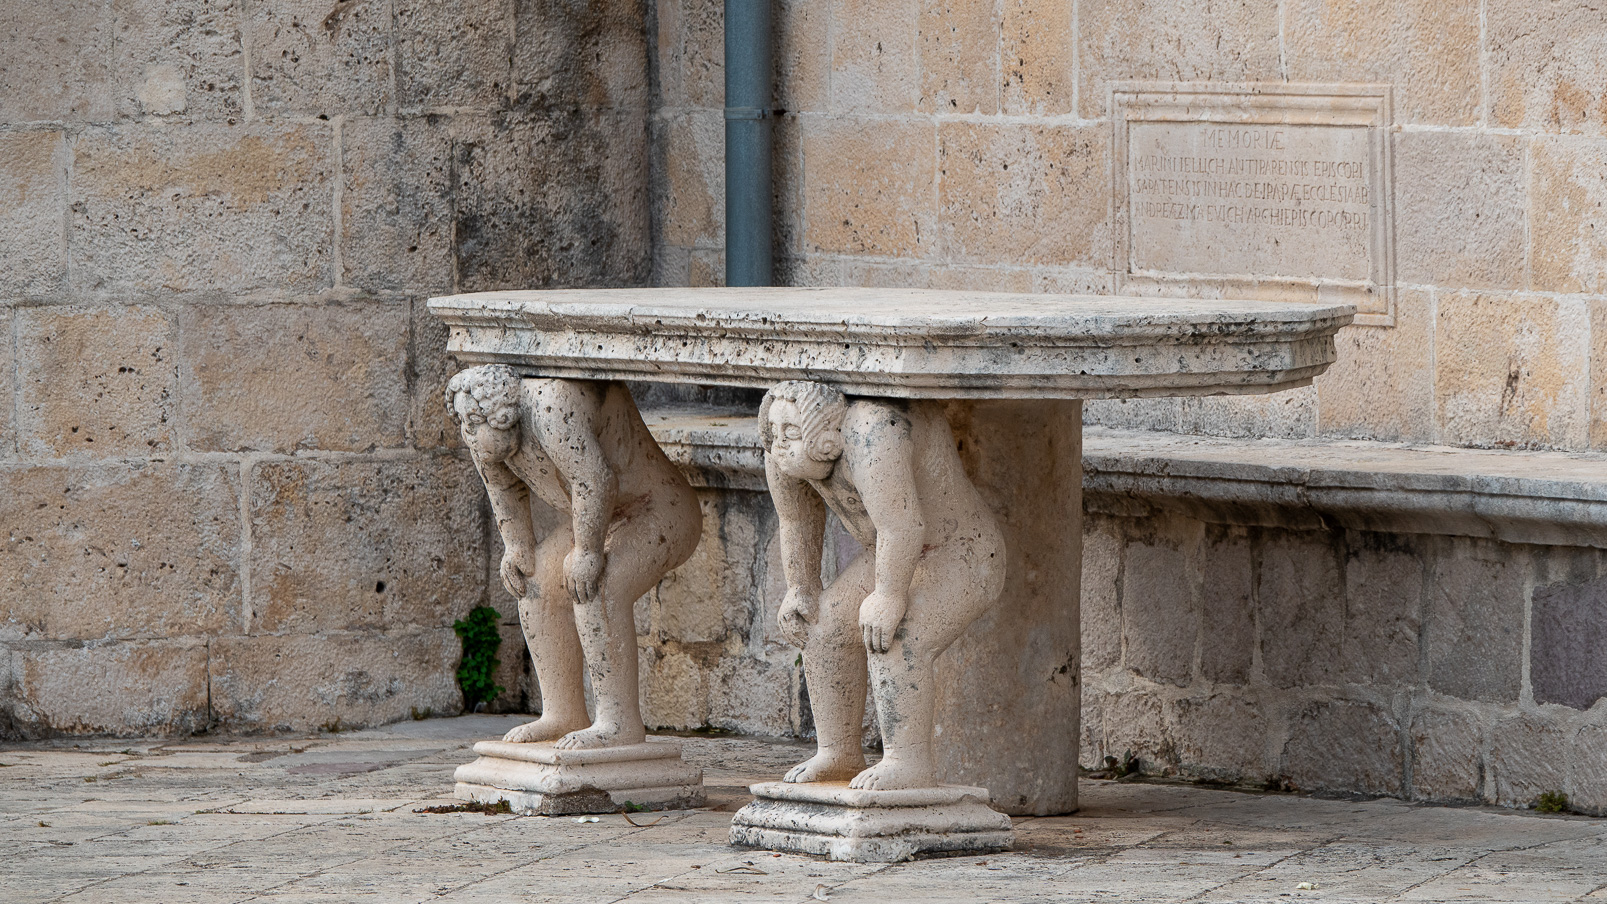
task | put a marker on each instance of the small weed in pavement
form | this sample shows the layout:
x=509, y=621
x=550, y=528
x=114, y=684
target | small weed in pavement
x=1551, y=802
x=500, y=808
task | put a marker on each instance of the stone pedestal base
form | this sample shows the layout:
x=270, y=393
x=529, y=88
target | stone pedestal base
x=540, y=780
x=832, y=820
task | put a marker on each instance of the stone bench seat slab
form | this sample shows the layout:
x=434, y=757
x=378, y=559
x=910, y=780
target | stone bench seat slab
x=1545, y=498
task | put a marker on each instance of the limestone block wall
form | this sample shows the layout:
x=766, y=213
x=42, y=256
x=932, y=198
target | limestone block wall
x=229, y=495
x=1413, y=665
x=968, y=145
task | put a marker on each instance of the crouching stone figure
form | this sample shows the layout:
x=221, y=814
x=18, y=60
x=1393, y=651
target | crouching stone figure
x=934, y=561
x=580, y=446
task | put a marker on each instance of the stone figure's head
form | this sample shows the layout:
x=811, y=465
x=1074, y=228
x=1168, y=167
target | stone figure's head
x=485, y=401
x=801, y=426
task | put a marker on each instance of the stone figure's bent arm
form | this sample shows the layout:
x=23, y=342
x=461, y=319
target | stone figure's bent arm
x=510, y=504
x=802, y=518
x=565, y=414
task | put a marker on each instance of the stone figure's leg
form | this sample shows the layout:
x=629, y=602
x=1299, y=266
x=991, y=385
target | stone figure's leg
x=641, y=550
x=834, y=667
x=547, y=617
x=945, y=597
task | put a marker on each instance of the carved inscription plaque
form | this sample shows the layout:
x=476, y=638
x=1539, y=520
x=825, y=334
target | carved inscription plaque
x=1269, y=192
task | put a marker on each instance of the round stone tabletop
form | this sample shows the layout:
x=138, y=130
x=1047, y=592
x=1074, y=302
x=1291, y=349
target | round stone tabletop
x=905, y=343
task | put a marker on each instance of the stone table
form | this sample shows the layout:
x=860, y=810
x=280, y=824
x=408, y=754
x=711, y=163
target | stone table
x=1012, y=371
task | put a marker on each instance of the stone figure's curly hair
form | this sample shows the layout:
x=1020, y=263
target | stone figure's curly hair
x=494, y=389
x=820, y=407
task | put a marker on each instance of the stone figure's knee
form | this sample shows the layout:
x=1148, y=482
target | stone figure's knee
x=835, y=627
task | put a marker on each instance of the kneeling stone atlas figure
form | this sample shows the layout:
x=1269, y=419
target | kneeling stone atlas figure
x=581, y=448
x=934, y=561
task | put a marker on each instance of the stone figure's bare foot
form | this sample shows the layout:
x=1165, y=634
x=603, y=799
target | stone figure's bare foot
x=546, y=728
x=599, y=735
x=894, y=775
x=826, y=766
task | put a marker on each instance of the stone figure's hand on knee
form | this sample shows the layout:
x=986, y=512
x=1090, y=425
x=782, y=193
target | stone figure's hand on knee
x=515, y=573
x=796, y=615
x=879, y=617
x=583, y=574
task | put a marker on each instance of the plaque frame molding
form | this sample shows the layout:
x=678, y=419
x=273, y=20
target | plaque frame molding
x=1350, y=105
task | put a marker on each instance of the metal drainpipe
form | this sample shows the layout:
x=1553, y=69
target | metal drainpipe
x=747, y=143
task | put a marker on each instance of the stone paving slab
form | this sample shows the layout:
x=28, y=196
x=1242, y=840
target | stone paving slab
x=232, y=821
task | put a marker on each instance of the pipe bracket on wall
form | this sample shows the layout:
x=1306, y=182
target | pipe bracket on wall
x=748, y=114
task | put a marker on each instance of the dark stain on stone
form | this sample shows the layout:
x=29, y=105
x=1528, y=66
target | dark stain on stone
x=1569, y=643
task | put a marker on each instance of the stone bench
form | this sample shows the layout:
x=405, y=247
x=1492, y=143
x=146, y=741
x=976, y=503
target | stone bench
x=1542, y=498
x=1419, y=607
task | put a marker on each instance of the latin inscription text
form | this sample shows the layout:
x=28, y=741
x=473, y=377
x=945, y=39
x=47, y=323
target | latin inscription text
x=1287, y=200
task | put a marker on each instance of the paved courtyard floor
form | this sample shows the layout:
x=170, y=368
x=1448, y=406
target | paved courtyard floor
x=334, y=818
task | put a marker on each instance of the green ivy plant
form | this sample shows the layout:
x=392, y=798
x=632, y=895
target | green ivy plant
x=477, y=671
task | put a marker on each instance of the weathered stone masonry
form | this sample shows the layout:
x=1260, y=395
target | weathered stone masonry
x=229, y=492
